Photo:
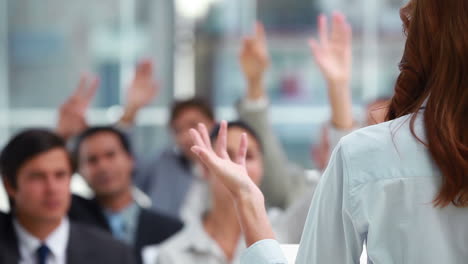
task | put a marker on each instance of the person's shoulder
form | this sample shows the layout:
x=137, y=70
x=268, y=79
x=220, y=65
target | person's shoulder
x=162, y=157
x=96, y=246
x=87, y=211
x=167, y=152
x=94, y=237
x=160, y=219
x=378, y=139
x=181, y=241
x=175, y=247
x=386, y=148
x=156, y=227
x=80, y=201
x=4, y=218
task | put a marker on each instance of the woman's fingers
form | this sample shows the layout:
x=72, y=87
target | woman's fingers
x=91, y=91
x=341, y=30
x=316, y=49
x=197, y=140
x=242, y=154
x=260, y=32
x=323, y=30
x=206, y=157
x=221, y=141
x=80, y=89
x=204, y=135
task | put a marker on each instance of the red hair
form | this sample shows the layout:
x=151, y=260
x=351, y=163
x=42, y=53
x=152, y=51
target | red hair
x=434, y=68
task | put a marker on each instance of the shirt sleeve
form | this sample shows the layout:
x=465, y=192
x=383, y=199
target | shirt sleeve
x=267, y=251
x=331, y=234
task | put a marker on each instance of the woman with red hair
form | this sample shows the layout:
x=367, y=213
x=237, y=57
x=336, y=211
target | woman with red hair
x=400, y=187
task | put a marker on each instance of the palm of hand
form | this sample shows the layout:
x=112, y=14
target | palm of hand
x=143, y=88
x=333, y=54
x=254, y=54
x=335, y=62
x=72, y=113
x=254, y=59
x=232, y=173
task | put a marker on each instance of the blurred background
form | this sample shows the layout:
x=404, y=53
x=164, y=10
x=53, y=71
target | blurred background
x=46, y=45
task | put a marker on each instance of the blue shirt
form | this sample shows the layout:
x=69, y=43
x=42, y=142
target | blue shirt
x=378, y=189
x=124, y=223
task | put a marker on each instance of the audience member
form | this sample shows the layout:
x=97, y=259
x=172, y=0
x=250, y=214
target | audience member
x=36, y=171
x=105, y=161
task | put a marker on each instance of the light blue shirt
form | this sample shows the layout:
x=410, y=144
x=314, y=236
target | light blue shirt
x=124, y=223
x=378, y=189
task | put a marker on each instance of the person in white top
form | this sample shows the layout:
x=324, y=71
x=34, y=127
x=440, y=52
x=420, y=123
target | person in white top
x=216, y=237
x=400, y=187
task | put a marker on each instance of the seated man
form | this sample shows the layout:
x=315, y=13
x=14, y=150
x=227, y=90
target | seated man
x=168, y=176
x=105, y=161
x=36, y=172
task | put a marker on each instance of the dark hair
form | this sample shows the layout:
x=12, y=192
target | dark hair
x=101, y=129
x=201, y=105
x=239, y=124
x=434, y=68
x=25, y=146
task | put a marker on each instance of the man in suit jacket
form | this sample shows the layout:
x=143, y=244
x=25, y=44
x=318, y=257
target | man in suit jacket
x=36, y=171
x=105, y=161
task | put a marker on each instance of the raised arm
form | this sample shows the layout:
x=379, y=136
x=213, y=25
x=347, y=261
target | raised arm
x=141, y=92
x=253, y=109
x=332, y=53
x=72, y=113
x=254, y=60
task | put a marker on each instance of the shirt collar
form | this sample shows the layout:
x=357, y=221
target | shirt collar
x=201, y=242
x=128, y=217
x=57, y=241
x=128, y=213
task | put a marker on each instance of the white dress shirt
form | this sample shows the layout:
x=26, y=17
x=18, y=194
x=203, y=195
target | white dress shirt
x=57, y=243
x=378, y=190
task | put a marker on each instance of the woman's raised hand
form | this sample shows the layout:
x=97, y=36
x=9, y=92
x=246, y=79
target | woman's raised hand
x=231, y=172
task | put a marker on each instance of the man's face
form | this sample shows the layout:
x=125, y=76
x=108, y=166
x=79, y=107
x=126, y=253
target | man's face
x=189, y=118
x=105, y=164
x=42, y=192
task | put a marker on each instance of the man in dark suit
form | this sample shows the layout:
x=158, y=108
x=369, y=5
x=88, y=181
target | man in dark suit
x=36, y=171
x=104, y=159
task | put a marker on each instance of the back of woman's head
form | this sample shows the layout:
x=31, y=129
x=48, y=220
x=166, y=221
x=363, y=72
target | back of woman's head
x=434, y=68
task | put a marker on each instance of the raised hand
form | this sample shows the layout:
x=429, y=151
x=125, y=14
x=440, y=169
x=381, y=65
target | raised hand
x=254, y=60
x=332, y=51
x=246, y=195
x=143, y=88
x=72, y=113
x=141, y=92
x=232, y=173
